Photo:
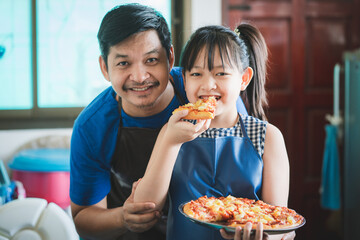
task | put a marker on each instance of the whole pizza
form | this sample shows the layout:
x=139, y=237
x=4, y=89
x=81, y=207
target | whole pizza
x=232, y=212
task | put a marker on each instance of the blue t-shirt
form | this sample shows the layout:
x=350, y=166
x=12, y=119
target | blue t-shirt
x=94, y=139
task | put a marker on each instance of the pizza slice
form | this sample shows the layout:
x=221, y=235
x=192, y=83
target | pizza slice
x=202, y=109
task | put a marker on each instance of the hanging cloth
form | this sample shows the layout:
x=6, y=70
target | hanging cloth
x=330, y=186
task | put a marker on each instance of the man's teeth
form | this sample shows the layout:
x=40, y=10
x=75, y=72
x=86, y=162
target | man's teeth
x=140, y=89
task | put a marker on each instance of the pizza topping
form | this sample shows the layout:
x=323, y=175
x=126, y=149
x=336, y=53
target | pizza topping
x=204, y=108
x=234, y=212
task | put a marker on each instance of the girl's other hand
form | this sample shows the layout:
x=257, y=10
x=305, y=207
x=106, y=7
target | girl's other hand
x=289, y=236
x=246, y=233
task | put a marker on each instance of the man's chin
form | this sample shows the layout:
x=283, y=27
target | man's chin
x=145, y=106
x=144, y=103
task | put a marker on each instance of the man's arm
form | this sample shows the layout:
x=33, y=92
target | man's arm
x=98, y=222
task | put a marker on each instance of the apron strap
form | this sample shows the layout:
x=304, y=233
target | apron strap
x=243, y=127
x=177, y=93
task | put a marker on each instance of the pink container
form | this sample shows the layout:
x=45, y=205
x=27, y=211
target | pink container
x=44, y=174
x=52, y=186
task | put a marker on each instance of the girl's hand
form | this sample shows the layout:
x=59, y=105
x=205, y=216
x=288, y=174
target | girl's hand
x=179, y=131
x=246, y=233
x=289, y=236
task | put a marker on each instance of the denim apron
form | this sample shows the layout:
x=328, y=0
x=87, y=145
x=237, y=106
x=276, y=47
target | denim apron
x=132, y=153
x=213, y=167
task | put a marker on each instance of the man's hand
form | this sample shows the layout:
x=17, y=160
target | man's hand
x=139, y=217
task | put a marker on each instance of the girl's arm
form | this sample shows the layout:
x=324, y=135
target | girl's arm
x=276, y=168
x=275, y=189
x=153, y=187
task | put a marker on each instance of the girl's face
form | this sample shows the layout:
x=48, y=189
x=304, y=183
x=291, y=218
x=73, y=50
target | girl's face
x=222, y=82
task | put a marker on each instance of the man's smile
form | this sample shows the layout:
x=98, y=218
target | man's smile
x=142, y=87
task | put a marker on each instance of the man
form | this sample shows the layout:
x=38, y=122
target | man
x=114, y=135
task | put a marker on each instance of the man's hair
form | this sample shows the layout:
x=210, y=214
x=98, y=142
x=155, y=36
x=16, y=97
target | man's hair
x=125, y=20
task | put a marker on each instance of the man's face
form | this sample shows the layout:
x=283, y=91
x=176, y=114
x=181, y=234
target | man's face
x=138, y=69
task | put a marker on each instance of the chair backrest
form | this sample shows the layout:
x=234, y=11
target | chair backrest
x=35, y=219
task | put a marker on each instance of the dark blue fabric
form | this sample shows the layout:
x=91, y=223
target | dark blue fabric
x=212, y=167
x=330, y=186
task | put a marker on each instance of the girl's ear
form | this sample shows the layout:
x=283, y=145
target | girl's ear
x=246, y=78
x=103, y=68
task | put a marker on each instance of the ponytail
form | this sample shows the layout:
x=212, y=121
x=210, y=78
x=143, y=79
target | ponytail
x=254, y=55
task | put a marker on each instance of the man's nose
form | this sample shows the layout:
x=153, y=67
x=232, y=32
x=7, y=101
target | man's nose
x=139, y=73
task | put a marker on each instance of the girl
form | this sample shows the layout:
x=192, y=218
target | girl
x=232, y=154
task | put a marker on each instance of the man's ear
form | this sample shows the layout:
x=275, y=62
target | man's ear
x=171, y=58
x=246, y=78
x=103, y=68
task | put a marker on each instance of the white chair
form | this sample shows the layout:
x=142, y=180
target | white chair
x=35, y=219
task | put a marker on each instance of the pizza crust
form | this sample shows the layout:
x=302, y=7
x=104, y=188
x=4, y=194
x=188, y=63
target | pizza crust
x=187, y=209
x=196, y=115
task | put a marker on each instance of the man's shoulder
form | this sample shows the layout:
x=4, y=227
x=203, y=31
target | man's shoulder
x=103, y=107
x=97, y=124
x=176, y=74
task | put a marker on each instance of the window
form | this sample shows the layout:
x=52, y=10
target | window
x=49, y=55
x=15, y=55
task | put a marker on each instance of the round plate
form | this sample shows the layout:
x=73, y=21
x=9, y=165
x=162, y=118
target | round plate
x=232, y=229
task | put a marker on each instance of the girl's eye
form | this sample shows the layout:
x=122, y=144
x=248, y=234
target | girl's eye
x=221, y=74
x=194, y=74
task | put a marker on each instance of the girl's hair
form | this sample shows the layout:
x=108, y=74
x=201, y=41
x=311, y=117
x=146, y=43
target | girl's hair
x=244, y=47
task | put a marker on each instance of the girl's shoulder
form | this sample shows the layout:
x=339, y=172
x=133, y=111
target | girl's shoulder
x=252, y=123
x=256, y=131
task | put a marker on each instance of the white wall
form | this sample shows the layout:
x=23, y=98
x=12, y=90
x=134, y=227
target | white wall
x=198, y=13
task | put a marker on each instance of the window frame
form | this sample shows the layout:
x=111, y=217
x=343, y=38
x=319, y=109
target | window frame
x=41, y=118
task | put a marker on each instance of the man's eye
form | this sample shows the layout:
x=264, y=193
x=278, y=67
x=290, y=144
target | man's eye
x=122, y=64
x=152, y=60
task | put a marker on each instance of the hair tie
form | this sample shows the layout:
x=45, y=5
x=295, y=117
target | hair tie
x=237, y=32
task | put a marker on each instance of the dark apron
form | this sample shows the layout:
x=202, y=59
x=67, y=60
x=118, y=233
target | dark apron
x=213, y=167
x=133, y=150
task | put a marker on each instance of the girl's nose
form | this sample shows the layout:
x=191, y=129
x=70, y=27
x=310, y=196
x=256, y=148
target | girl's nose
x=209, y=84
